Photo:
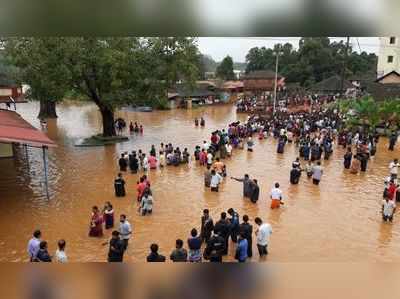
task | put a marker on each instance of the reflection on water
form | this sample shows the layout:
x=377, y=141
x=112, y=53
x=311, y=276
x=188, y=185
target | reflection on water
x=337, y=221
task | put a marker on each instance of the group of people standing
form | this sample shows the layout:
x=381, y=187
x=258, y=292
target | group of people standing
x=216, y=237
x=38, y=250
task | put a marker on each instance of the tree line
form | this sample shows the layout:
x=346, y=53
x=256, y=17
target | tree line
x=316, y=59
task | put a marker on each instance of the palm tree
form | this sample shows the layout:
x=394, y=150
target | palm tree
x=367, y=112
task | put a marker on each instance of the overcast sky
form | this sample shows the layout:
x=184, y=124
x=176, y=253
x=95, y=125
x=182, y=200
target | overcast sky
x=237, y=47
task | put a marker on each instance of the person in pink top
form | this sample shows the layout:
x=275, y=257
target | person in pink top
x=152, y=162
x=203, y=157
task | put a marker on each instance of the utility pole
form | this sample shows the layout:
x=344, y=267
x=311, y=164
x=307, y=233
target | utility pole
x=276, y=79
x=346, y=54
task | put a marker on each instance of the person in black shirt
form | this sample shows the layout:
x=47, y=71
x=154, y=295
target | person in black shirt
x=255, y=192
x=43, y=255
x=153, y=150
x=119, y=186
x=122, y=163
x=222, y=229
x=116, y=251
x=215, y=248
x=246, y=229
x=154, y=257
x=133, y=162
x=179, y=254
x=347, y=158
x=295, y=174
x=207, y=226
x=392, y=141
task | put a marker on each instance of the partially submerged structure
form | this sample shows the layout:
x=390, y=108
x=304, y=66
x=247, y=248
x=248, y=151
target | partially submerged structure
x=15, y=132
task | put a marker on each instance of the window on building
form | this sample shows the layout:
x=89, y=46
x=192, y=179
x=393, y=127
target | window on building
x=390, y=59
x=392, y=40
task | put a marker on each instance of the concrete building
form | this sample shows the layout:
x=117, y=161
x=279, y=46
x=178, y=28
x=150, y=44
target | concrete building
x=389, y=55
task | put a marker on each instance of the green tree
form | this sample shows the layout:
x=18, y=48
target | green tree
x=316, y=59
x=41, y=66
x=225, y=69
x=260, y=59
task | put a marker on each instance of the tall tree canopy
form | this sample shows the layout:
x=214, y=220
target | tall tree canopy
x=316, y=59
x=41, y=66
x=225, y=69
x=111, y=72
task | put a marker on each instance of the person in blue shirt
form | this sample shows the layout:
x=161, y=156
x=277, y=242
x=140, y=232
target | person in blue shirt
x=234, y=224
x=241, y=249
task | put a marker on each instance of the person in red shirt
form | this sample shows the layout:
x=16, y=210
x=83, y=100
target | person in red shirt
x=392, y=190
x=140, y=188
x=146, y=181
x=214, y=138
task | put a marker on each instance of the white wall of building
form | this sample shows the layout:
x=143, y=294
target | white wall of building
x=388, y=49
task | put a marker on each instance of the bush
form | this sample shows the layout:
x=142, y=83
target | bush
x=161, y=104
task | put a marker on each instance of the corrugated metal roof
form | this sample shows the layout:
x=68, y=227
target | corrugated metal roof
x=13, y=128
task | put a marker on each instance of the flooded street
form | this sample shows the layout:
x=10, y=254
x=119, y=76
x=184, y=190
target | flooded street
x=339, y=221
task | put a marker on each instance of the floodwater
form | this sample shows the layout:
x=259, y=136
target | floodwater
x=339, y=221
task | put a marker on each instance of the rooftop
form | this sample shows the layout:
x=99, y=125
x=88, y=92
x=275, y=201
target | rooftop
x=14, y=129
x=262, y=74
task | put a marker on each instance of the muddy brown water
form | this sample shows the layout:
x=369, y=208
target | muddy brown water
x=335, y=222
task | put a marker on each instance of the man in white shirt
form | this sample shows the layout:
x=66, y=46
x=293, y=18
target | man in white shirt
x=388, y=209
x=206, y=145
x=229, y=149
x=61, y=257
x=125, y=230
x=317, y=173
x=263, y=234
x=276, y=197
x=145, y=163
x=394, y=168
x=216, y=179
x=209, y=159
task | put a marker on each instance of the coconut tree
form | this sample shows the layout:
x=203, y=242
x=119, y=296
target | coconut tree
x=388, y=111
x=366, y=111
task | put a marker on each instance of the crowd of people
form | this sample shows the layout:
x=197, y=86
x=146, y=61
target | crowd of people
x=314, y=134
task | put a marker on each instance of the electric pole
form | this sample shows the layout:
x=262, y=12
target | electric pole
x=344, y=64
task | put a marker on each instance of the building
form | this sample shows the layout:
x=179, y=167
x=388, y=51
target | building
x=182, y=96
x=262, y=81
x=389, y=55
x=332, y=86
x=390, y=78
x=14, y=131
